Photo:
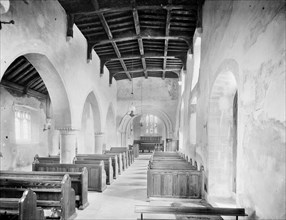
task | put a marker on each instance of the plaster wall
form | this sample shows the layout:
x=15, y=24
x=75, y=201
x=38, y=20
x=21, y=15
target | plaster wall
x=162, y=95
x=247, y=39
x=40, y=29
x=17, y=155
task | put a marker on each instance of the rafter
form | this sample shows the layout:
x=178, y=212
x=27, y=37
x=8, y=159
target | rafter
x=167, y=33
x=187, y=8
x=153, y=55
x=140, y=41
x=21, y=89
x=104, y=41
x=110, y=37
x=175, y=70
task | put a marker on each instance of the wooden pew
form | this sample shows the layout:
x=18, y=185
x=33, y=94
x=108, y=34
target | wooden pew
x=49, y=159
x=172, y=177
x=78, y=181
x=189, y=211
x=107, y=167
x=119, y=160
x=56, y=194
x=23, y=207
x=176, y=183
x=96, y=173
x=173, y=165
x=124, y=151
x=109, y=160
x=123, y=158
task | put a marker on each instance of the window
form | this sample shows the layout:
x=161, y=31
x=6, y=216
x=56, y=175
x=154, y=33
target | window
x=151, y=124
x=22, y=125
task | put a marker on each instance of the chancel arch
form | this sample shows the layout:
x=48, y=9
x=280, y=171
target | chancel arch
x=127, y=122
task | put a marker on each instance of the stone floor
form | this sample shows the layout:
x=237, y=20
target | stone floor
x=129, y=189
x=119, y=199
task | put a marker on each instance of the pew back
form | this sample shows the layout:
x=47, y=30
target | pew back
x=110, y=159
x=96, y=173
x=50, y=193
x=107, y=167
x=25, y=207
x=78, y=181
x=119, y=160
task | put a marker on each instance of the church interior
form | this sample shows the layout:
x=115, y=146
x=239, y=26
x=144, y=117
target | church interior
x=143, y=109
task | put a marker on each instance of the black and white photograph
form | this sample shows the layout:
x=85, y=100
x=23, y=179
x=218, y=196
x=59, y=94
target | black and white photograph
x=143, y=109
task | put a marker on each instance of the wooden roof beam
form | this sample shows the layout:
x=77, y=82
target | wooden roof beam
x=110, y=37
x=128, y=7
x=175, y=70
x=152, y=55
x=167, y=33
x=140, y=41
x=18, y=70
x=142, y=36
x=21, y=89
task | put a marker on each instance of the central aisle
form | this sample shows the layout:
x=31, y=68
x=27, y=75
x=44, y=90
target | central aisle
x=119, y=199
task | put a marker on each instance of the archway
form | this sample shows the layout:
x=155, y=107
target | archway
x=110, y=128
x=90, y=136
x=127, y=122
x=222, y=135
x=34, y=103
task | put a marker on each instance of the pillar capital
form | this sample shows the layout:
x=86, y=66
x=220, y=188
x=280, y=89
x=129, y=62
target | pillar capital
x=68, y=131
x=99, y=133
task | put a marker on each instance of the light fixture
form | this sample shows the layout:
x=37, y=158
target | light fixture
x=141, y=119
x=132, y=108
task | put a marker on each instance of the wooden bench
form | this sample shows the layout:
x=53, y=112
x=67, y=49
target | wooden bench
x=173, y=165
x=96, y=173
x=189, y=211
x=123, y=158
x=23, y=207
x=56, y=194
x=173, y=177
x=109, y=160
x=119, y=160
x=124, y=151
x=107, y=167
x=49, y=159
x=78, y=181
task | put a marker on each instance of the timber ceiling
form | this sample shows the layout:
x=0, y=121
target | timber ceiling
x=22, y=76
x=136, y=38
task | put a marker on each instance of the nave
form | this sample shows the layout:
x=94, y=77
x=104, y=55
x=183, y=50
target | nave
x=205, y=78
x=118, y=200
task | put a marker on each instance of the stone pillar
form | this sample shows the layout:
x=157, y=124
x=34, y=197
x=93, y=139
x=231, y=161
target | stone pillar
x=123, y=139
x=98, y=142
x=68, y=144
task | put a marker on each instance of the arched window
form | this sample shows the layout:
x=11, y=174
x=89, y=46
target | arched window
x=151, y=124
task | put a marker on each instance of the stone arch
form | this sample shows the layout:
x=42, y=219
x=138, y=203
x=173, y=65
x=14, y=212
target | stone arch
x=221, y=133
x=35, y=52
x=90, y=135
x=110, y=128
x=60, y=105
x=145, y=109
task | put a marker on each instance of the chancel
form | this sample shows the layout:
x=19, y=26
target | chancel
x=135, y=109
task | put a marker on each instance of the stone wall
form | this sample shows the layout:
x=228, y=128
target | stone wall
x=246, y=39
x=39, y=34
x=150, y=96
